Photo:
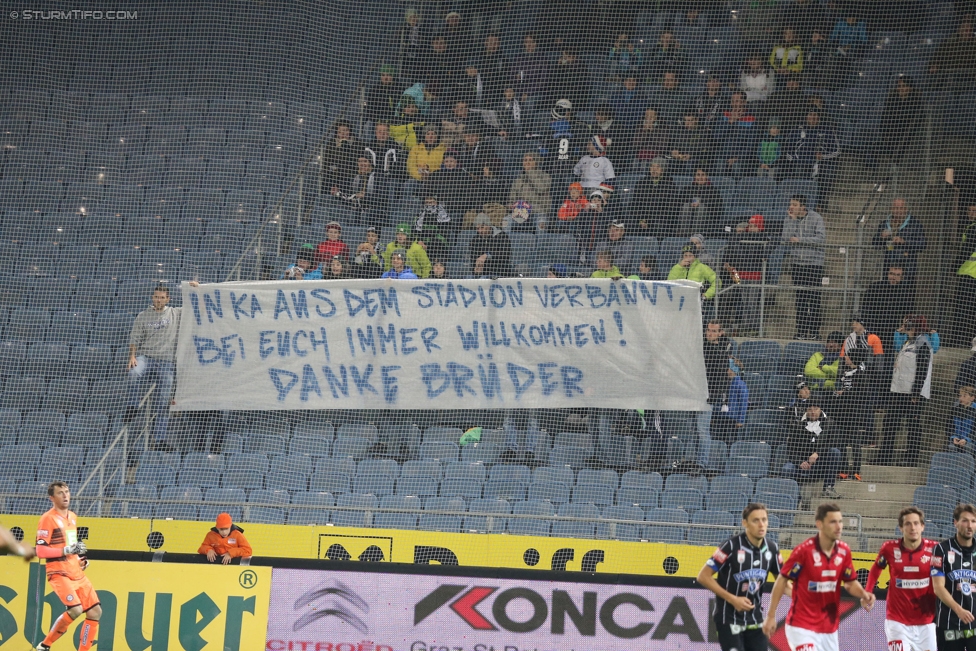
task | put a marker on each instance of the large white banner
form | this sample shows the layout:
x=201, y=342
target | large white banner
x=414, y=344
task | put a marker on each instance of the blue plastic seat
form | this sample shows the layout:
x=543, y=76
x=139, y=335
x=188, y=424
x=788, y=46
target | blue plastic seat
x=429, y=468
x=712, y=536
x=598, y=494
x=507, y=489
x=310, y=515
x=352, y=447
x=289, y=473
x=178, y=511
x=666, y=527
x=267, y=514
x=554, y=492
x=682, y=498
x=397, y=520
x=220, y=501
x=531, y=526
x=441, y=450
x=464, y=487
x=470, y=471
x=752, y=467
x=330, y=482
x=779, y=502
x=418, y=486
x=564, y=529
x=125, y=509
x=620, y=530
x=680, y=480
x=482, y=510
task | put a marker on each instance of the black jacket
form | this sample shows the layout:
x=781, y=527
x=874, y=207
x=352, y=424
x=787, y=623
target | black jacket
x=499, y=250
x=712, y=222
x=381, y=100
x=717, y=369
x=884, y=306
x=967, y=375
x=657, y=205
x=802, y=443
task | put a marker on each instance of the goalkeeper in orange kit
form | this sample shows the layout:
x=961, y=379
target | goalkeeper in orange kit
x=57, y=541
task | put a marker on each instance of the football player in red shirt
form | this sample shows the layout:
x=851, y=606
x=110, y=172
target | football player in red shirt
x=57, y=541
x=909, y=622
x=818, y=567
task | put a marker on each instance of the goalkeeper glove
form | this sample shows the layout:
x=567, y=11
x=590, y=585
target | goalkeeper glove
x=78, y=548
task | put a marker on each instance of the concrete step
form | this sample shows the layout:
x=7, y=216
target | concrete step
x=871, y=508
x=892, y=474
x=866, y=490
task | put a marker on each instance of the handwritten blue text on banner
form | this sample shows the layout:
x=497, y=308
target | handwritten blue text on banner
x=507, y=343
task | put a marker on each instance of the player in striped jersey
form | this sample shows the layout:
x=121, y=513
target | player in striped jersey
x=742, y=565
x=911, y=602
x=954, y=580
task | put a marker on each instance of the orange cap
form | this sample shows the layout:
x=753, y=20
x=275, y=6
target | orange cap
x=223, y=520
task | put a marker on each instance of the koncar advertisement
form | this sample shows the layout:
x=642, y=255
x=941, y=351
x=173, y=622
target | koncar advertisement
x=349, y=611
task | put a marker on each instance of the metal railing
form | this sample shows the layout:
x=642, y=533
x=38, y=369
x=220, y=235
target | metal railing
x=122, y=440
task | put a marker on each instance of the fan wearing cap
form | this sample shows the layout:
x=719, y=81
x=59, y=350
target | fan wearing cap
x=592, y=223
x=416, y=256
x=332, y=245
x=822, y=368
x=226, y=541
x=811, y=456
x=302, y=269
x=691, y=268
x=619, y=245
x=595, y=171
x=562, y=145
x=574, y=203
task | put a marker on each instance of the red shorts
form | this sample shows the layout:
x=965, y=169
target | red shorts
x=74, y=593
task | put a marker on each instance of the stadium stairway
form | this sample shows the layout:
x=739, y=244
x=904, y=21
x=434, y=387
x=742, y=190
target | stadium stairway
x=877, y=499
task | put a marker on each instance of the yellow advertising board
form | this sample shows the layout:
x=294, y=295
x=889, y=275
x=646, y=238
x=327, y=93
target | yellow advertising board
x=145, y=606
x=398, y=546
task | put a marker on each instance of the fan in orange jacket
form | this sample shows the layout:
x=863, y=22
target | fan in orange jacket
x=225, y=540
x=574, y=203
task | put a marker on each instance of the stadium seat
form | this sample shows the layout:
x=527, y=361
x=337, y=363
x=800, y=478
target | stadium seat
x=682, y=498
x=418, y=486
x=513, y=472
x=121, y=508
x=353, y=448
x=577, y=529
x=441, y=450
x=311, y=446
x=679, y=481
x=397, y=520
x=702, y=536
x=178, y=510
x=289, y=473
x=663, y=527
x=244, y=471
x=267, y=514
x=752, y=467
x=219, y=501
x=487, y=516
x=330, y=482
x=726, y=501
x=308, y=514
x=422, y=468
x=378, y=485
x=599, y=494
x=731, y=484
x=508, y=489
x=471, y=471
x=780, y=502
x=463, y=487
x=551, y=491
x=620, y=530
x=531, y=526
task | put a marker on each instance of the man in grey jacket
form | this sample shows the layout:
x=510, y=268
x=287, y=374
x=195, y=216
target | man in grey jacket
x=911, y=381
x=152, y=358
x=805, y=237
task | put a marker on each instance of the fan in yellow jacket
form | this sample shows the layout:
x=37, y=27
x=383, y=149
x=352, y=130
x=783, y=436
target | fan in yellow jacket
x=427, y=156
x=417, y=258
x=821, y=369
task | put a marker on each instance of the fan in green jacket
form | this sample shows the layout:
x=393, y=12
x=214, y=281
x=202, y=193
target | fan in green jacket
x=691, y=268
x=417, y=258
x=820, y=370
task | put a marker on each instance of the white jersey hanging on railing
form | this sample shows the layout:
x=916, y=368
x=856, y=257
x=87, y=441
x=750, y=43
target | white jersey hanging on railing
x=466, y=344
